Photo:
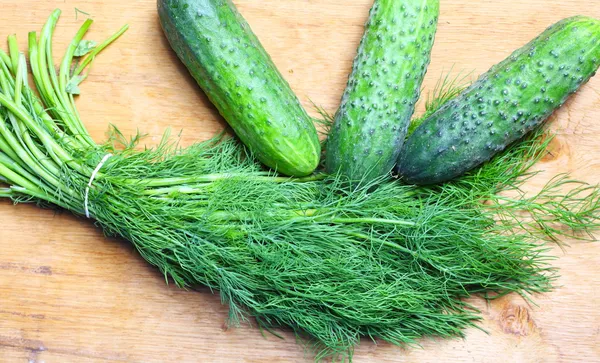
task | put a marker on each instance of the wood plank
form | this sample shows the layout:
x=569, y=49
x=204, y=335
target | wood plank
x=67, y=294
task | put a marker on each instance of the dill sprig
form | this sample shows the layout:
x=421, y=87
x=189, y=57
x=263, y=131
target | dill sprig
x=445, y=89
x=384, y=260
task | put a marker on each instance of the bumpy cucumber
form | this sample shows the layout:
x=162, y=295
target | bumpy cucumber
x=371, y=123
x=227, y=60
x=508, y=101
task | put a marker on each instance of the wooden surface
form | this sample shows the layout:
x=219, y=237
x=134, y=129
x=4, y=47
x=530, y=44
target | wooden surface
x=67, y=294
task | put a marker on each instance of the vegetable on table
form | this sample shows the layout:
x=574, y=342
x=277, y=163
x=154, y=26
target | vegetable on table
x=370, y=126
x=508, y=101
x=227, y=60
x=310, y=254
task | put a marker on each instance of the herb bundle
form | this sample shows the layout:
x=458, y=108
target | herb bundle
x=331, y=262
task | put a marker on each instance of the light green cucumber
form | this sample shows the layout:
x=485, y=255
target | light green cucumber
x=384, y=86
x=227, y=60
x=507, y=102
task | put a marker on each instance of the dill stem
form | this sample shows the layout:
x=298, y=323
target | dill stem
x=309, y=213
x=42, y=195
x=98, y=49
x=371, y=221
x=383, y=242
x=5, y=58
x=68, y=58
x=13, y=50
x=29, y=160
x=6, y=149
x=47, y=68
x=17, y=177
x=50, y=143
x=40, y=109
x=359, y=220
x=20, y=85
x=399, y=248
x=208, y=178
x=63, y=80
x=39, y=64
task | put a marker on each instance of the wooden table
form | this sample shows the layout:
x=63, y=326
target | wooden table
x=67, y=294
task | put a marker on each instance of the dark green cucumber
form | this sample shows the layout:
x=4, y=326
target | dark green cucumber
x=227, y=60
x=507, y=102
x=371, y=123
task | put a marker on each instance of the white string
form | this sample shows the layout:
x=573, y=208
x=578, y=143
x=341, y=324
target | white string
x=87, y=189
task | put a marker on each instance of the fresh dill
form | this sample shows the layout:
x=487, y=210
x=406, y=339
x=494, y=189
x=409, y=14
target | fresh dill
x=445, y=90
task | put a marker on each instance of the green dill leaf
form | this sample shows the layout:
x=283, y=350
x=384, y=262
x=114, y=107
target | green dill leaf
x=73, y=85
x=85, y=47
x=446, y=89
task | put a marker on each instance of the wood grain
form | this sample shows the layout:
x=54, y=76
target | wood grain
x=67, y=294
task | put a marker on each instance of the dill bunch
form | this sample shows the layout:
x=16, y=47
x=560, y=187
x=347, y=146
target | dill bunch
x=384, y=261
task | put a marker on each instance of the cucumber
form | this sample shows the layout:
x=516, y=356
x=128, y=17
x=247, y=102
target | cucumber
x=507, y=102
x=227, y=60
x=371, y=123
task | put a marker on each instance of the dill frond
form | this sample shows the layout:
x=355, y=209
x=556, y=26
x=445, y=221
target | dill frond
x=445, y=89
